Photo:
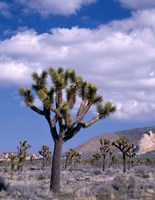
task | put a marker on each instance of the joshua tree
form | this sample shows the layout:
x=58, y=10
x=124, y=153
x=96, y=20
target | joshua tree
x=57, y=109
x=70, y=155
x=123, y=144
x=96, y=157
x=46, y=154
x=113, y=160
x=12, y=158
x=105, y=148
x=21, y=155
x=32, y=157
x=130, y=154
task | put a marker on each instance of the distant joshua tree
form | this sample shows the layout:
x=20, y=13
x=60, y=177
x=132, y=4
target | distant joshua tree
x=58, y=102
x=130, y=154
x=32, y=157
x=12, y=158
x=70, y=155
x=21, y=155
x=104, y=148
x=123, y=144
x=96, y=157
x=46, y=154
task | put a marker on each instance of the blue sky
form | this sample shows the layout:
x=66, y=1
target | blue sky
x=110, y=43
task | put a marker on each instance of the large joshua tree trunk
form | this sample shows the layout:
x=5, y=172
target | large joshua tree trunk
x=55, y=171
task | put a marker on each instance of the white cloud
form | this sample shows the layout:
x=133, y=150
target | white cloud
x=16, y=71
x=138, y=4
x=58, y=7
x=5, y=9
x=118, y=57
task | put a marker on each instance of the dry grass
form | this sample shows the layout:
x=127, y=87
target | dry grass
x=84, y=183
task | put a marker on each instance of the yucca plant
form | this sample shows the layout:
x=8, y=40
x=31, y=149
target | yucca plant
x=58, y=102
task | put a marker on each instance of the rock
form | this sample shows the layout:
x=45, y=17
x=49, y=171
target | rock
x=146, y=143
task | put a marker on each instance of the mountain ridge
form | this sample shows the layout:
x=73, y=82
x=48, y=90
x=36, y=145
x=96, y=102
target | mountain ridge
x=134, y=135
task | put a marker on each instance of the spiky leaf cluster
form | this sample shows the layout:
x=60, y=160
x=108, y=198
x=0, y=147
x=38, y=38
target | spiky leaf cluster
x=71, y=153
x=58, y=78
x=105, y=146
x=27, y=95
x=12, y=157
x=96, y=156
x=123, y=141
x=123, y=144
x=23, y=146
x=40, y=81
x=105, y=110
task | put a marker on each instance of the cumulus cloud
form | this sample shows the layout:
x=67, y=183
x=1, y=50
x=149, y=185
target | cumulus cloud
x=138, y=4
x=46, y=7
x=5, y=9
x=118, y=57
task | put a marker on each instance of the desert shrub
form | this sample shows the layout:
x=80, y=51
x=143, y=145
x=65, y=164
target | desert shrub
x=144, y=176
x=3, y=185
x=96, y=172
x=128, y=185
x=105, y=192
x=41, y=177
x=34, y=169
x=112, y=171
x=27, y=192
x=144, y=169
x=65, y=196
x=20, y=178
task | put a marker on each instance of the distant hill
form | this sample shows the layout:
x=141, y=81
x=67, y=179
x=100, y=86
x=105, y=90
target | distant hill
x=134, y=135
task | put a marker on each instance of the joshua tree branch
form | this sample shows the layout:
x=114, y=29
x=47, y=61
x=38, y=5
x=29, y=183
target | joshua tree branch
x=82, y=105
x=71, y=132
x=34, y=108
x=56, y=111
x=52, y=128
x=90, y=122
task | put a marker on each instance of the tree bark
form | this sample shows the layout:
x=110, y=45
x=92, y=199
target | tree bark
x=104, y=156
x=55, y=171
x=129, y=163
x=124, y=163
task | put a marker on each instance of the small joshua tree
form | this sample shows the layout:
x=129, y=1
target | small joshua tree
x=112, y=158
x=32, y=157
x=70, y=155
x=105, y=148
x=46, y=154
x=12, y=158
x=130, y=154
x=96, y=157
x=123, y=144
x=21, y=155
